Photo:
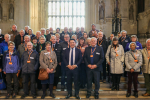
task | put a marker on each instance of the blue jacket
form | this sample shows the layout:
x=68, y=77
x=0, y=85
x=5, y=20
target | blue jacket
x=124, y=42
x=138, y=44
x=15, y=62
x=3, y=47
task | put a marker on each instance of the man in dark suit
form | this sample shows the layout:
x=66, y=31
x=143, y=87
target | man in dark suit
x=54, y=46
x=72, y=59
x=93, y=57
x=48, y=37
x=63, y=33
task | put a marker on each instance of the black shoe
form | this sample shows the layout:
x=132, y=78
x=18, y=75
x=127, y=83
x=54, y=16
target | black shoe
x=68, y=96
x=23, y=96
x=128, y=94
x=43, y=96
x=117, y=87
x=7, y=96
x=96, y=96
x=88, y=96
x=34, y=96
x=77, y=97
x=52, y=95
x=113, y=88
x=14, y=96
x=136, y=94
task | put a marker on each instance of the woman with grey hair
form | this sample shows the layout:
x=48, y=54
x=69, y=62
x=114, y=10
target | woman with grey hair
x=48, y=61
x=115, y=59
x=133, y=61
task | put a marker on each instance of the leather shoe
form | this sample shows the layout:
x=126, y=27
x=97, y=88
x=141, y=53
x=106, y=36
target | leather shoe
x=77, y=97
x=146, y=94
x=23, y=96
x=14, y=96
x=43, y=96
x=52, y=95
x=136, y=94
x=88, y=95
x=96, y=96
x=7, y=96
x=128, y=94
x=68, y=96
x=54, y=87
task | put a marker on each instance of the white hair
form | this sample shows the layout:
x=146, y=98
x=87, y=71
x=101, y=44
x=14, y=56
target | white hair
x=100, y=32
x=70, y=28
x=123, y=31
x=14, y=25
x=22, y=30
x=53, y=36
x=94, y=38
x=26, y=36
x=0, y=30
x=89, y=39
x=57, y=34
x=132, y=43
x=42, y=29
x=73, y=36
x=147, y=40
x=43, y=37
x=27, y=26
x=38, y=32
x=31, y=43
x=8, y=35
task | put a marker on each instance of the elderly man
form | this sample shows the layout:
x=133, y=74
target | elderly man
x=26, y=30
x=61, y=48
x=30, y=33
x=58, y=40
x=78, y=33
x=23, y=47
x=146, y=67
x=103, y=43
x=48, y=37
x=111, y=38
x=63, y=33
x=54, y=46
x=58, y=30
x=124, y=39
x=43, y=32
x=70, y=32
x=29, y=65
x=119, y=35
x=19, y=39
x=4, y=44
x=38, y=34
x=13, y=32
x=1, y=36
x=72, y=59
x=93, y=57
x=93, y=31
x=82, y=30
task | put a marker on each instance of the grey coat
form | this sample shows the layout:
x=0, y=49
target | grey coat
x=129, y=61
x=45, y=60
x=21, y=49
x=116, y=63
x=146, y=62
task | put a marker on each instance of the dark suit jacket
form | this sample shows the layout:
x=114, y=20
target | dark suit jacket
x=17, y=41
x=98, y=57
x=125, y=42
x=1, y=38
x=62, y=35
x=48, y=36
x=38, y=47
x=78, y=57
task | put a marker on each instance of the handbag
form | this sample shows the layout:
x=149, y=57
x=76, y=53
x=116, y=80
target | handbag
x=43, y=75
x=2, y=83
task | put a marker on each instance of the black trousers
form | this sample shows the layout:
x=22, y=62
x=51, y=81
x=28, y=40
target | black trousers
x=25, y=83
x=72, y=73
x=57, y=74
x=91, y=73
x=9, y=77
x=104, y=70
x=116, y=79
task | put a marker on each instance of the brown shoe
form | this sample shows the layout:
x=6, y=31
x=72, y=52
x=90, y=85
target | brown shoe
x=146, y=94
x=54, y=87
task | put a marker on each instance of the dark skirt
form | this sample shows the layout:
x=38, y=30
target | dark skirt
x=50, y=80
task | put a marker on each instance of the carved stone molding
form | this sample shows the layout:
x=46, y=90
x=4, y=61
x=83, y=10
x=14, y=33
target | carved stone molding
x=143, y=14
x=11, y=1
x=1, y=1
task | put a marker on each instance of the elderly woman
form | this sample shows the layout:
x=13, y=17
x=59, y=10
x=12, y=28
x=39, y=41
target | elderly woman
x=134, y=39
x=82, y=72
x=75, y=37
x=48, y=61
x=58, y=40
x=115, y=59
x=11, y=67
x=133, y=61
x=88, y=41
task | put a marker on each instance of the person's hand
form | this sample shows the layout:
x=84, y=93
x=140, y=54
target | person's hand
x=90, y=66
x=109, y=63
x=60, y=63
x=0, y=70
x=48, y=70
x=132, y=70
x=70, y=67
x=4, y=72
x=51, y=70
x=94, y=66
x=18, y=71
x=74, y=66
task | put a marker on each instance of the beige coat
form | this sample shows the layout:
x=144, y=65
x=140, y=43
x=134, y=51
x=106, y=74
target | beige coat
x=146, y=62
x=45, y=60
x=116, y=63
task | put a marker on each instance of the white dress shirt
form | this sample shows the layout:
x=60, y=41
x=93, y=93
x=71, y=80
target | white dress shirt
x=73, y=56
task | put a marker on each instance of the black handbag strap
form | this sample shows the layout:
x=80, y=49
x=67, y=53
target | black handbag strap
x=133, y=56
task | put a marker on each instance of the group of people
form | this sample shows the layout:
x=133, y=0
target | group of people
x=81, y=56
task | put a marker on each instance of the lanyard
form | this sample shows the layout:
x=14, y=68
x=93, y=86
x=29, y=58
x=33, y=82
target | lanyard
x=93, y=51
x=10, y=54
x=29, y=55
x=116, y=51
x=123, y=39
x=100, y=43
